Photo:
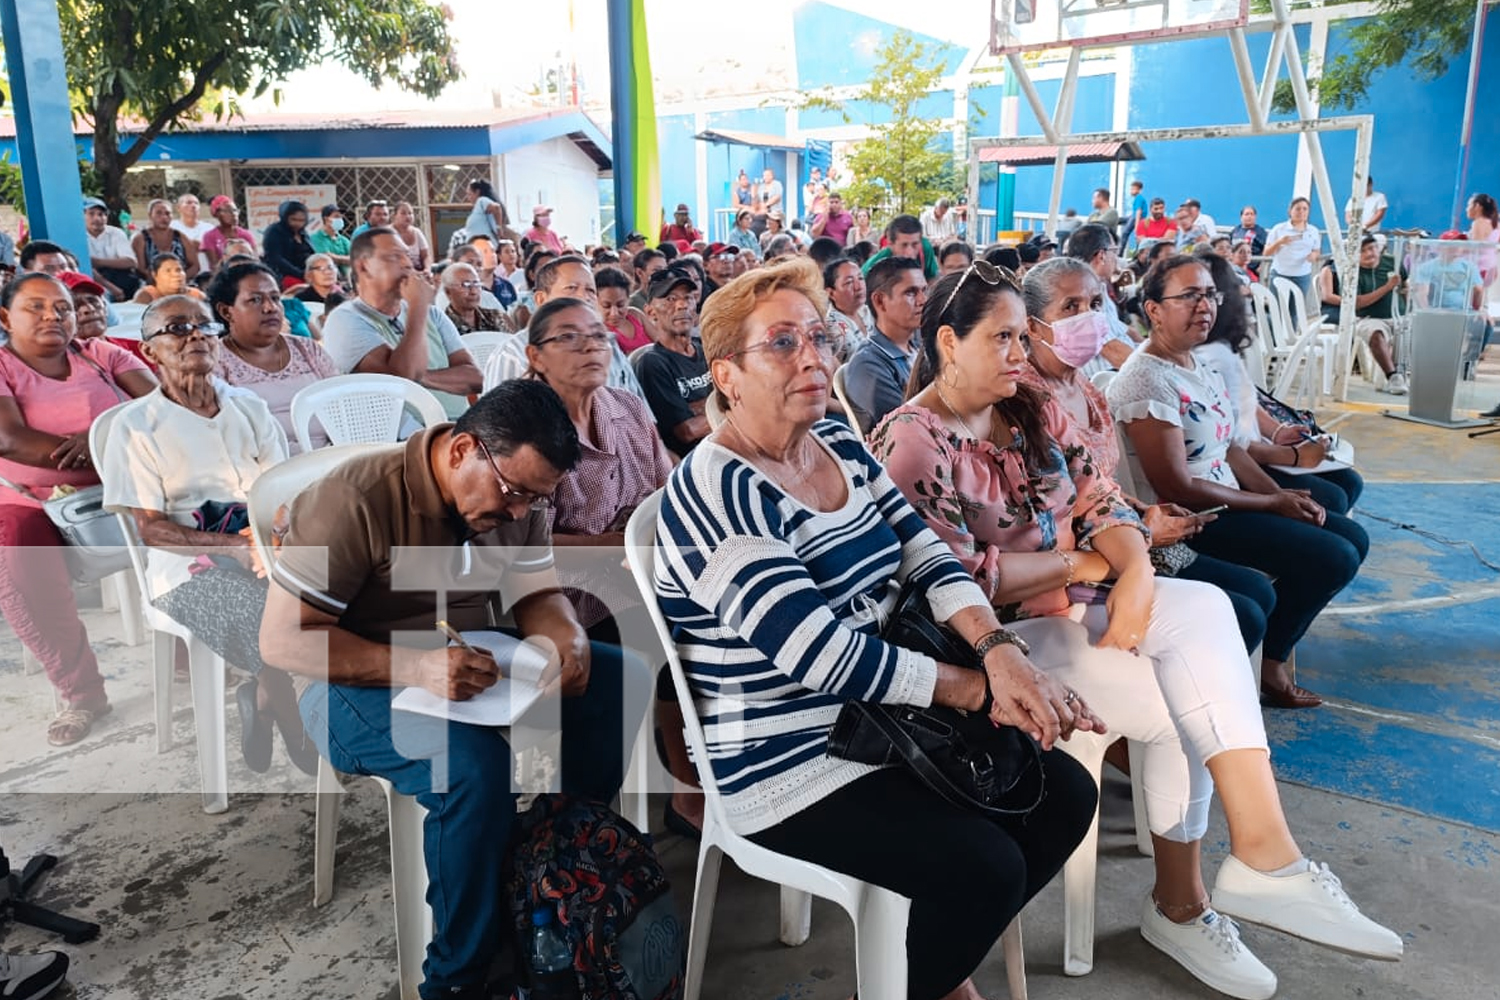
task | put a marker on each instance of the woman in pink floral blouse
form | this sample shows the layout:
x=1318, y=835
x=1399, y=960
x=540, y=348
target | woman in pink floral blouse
x=995, y=468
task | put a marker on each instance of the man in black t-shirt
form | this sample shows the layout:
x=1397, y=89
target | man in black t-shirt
x=672, y=372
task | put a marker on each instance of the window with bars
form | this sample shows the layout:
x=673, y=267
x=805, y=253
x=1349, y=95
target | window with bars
x=448, y=184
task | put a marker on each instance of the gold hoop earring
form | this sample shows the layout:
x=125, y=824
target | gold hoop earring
x=947, y=377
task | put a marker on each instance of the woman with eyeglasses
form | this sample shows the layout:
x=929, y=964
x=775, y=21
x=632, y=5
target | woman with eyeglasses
x=996, y=470
x=781, y=545
x=257, y=354
x=181, y=463
x=1180, y=419
x=323, y=284
x=464, y=288
x=52, y=386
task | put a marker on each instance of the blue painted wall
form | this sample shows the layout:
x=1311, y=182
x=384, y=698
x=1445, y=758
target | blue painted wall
x=679, y=161
x=837, y=47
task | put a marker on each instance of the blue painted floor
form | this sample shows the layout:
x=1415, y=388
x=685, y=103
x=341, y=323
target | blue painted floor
x=1414, y=688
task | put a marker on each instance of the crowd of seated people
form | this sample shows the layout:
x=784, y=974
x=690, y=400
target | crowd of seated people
x=704, y=371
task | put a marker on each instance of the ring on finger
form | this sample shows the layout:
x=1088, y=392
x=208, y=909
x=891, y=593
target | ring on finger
x=1070, y=698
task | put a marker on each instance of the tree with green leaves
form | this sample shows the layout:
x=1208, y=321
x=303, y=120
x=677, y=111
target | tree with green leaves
x=1429, y=33
x=903, y=165
x=165, y=63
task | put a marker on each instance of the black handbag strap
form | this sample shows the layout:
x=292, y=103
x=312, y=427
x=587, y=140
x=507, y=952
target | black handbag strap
x=933, y=777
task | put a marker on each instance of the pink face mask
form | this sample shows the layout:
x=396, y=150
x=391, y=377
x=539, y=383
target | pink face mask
x=1076, y=339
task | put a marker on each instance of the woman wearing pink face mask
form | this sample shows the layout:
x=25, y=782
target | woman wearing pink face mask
x=1063, y=303
x=997, y=471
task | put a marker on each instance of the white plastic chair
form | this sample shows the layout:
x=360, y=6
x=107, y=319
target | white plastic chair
x=205, y=667
x=879, y=915
x=482, y=344
x=841, y=393
x=275, y=488
x=363, y=408
x=1300, y=323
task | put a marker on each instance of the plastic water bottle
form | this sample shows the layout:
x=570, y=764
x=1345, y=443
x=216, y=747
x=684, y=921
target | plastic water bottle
x=551, y=960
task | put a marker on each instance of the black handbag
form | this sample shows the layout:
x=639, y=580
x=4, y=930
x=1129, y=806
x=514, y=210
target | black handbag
x=962, y=756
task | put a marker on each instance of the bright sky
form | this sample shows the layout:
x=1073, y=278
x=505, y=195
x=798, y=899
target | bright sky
x=505, y=47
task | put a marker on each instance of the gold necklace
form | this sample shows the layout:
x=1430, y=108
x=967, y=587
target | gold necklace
x=962, y=423
x=801, y=469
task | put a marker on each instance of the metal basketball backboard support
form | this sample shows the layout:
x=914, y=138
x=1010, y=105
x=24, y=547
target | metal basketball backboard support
x=1030, y=25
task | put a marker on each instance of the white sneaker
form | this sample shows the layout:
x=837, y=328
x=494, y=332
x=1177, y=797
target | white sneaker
x=31, y=977
x=1396, y=384
x=1311, y=904
x=1209, y=947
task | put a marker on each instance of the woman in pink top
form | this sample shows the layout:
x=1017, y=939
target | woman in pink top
x=257, y=354
x=215, y=241
x=51, y=389
x=541, y=232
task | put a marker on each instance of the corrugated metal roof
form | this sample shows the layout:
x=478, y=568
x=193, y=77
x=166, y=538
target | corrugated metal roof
x=1088, y=152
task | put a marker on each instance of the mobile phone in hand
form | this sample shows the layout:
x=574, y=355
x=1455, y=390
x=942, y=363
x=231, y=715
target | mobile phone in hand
x=1212, y=510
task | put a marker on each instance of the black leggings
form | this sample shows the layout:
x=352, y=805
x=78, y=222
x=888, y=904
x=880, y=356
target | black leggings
x=967, y=877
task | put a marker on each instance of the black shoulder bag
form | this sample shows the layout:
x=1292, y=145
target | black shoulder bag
x=962, y=756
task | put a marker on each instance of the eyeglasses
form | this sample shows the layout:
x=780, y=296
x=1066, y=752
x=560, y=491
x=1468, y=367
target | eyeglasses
x=187, y=328
x=1193, y=296
x=990, y=274
x=785, y=342
x=533, y=500
x=469, y=286
x=580, y=342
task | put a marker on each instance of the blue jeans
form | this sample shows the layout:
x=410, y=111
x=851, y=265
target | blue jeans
x=461, y=775
x=1248, y=590
x=1337, y=490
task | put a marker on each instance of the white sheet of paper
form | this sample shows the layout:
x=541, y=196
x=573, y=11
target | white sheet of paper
x=1341, y=457
x=501, y=704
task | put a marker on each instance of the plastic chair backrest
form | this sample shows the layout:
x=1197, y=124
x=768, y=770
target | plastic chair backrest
x=1270, y=319
x=481, y=344
x=640, y=553
x=363, y=408
x=840, y=393
x=281, y=483
x=1294, y=304
x=99, y=438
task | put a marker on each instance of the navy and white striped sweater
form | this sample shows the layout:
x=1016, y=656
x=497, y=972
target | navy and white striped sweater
x=776, y=607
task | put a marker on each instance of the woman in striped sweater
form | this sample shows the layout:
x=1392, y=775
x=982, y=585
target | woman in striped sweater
x=781, y=544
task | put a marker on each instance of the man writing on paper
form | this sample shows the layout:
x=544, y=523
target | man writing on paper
x=376, y=554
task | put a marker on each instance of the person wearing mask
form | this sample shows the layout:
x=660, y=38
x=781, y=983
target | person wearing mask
x=393, y=326
x=188, y=222
x=330, y=238
x=216, y=241
x=286, y=244
x=111, y=258
x=159, y=239
x=52, y=386
x=256, y=354
x=541, y=232
x=879, y=370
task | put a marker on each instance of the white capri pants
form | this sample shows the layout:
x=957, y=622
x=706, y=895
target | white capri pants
x=1188, y=696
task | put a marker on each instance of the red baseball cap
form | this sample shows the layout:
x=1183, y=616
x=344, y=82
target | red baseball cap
x=80, y=282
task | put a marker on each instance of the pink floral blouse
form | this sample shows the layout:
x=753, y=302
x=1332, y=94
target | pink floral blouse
x=1099, y=435
x=983, y=502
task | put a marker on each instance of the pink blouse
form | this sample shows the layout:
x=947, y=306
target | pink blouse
x=309, y=363
x=62, y=407
x=983, y=502
x=1099, y=434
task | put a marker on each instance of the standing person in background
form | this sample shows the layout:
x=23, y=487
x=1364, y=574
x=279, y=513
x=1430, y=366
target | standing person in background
x=1294, y=246
x=1104, y=213
x=681, y=227
x=1138, y=209
x=834, y=223
x=404, y=222
x=487, y=217
x=187, y=222
x=743, y=195
x=330, y=239
x=541, y=229
x=815, y=193
x=1371, y=208
x=1250, y=231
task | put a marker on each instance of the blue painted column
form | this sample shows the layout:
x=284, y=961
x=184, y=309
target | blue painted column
x=44, y=124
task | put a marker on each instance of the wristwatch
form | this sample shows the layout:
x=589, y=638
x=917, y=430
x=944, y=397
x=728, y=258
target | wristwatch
x=1000, y=637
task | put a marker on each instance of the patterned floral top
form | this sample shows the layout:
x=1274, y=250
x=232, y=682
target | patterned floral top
x=1098, y=435
x=1193, y=399
x=983, y=501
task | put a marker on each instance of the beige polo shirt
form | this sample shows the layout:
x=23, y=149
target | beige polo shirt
x=374, y=544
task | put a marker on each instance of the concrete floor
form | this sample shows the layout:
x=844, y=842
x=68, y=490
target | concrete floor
x=198, y=907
